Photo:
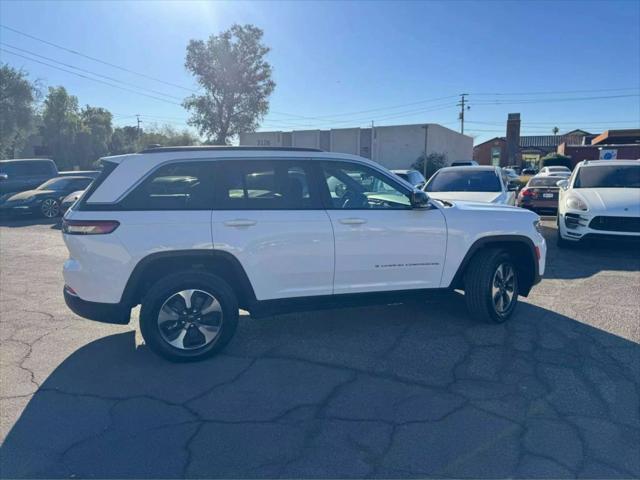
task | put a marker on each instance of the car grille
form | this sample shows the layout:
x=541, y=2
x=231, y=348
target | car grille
x=616, y=224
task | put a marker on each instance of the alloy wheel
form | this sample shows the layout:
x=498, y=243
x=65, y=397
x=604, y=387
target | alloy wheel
x=503, y=287
x=50, y=208
x=190, y=319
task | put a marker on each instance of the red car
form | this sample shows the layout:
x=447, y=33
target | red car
x=540, y=193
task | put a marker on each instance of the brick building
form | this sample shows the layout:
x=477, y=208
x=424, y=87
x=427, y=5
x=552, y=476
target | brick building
x=527, y=150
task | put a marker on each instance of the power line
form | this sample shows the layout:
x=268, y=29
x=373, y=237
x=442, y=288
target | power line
x=552, y=100
x=344, y=114
x=563, y=91
x=89, y=71
x=89, y=78
x=124, y=69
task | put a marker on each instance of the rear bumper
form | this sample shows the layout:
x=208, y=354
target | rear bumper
x=100, y=312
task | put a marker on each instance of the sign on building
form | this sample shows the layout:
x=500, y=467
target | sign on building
x=609, y=154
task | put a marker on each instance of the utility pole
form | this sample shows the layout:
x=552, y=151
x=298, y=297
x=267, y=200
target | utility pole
x=139, y=122
x=462, y=104
x=372, y=140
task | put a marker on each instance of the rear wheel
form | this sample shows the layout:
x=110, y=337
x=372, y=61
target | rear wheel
x=50, y=208
x=491, y=286
x=188, y=316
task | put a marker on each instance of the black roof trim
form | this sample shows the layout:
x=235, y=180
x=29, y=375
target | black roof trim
x=219, y=148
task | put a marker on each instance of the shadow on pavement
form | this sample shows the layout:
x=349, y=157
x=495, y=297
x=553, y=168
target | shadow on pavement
x=589, y=258
x=409, y=390
x=28, y=221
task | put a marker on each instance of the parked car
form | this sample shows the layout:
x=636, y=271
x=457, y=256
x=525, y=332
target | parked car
x=44, y=200
x=68, y=201
x=540, y=194
x=601, y=199
x=318, y=229
x=474, y=184
x=464, y=163
x=515, y=168
x=414, y=177
x=25, y=174
x=529, y=171
x=556, y=171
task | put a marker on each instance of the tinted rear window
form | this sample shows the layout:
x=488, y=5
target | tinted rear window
x=468, y=180
x=177, y=186
x=545, y=181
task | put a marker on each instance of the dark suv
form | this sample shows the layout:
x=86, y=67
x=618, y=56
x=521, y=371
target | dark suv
x=25, y=174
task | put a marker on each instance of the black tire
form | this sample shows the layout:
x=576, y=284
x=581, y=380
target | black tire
x=478, y=281
x=168, y=287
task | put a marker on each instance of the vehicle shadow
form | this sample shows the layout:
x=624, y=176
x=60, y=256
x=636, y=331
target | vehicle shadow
x=28, y=221
x=407, y=390
x=587, y=259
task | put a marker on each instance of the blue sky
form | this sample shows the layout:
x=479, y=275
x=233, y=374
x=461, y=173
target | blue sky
x=346, y=64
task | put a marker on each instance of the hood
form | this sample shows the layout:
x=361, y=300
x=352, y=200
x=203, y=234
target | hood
x=615, y=201
x=494, y=207
x=28, y=195
x=486, y=197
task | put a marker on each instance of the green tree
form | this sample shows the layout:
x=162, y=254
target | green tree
x=236, y=79
x=124, y=140
x=60, y=124
x=93, y=137
x=17, y=109
x=435, y=161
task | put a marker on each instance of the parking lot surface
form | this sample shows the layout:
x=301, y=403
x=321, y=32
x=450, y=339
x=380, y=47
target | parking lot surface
x=405, y=390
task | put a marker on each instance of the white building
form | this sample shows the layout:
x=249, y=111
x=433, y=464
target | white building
x=395, y=147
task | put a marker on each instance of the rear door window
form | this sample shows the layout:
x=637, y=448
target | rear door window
x=265, y=185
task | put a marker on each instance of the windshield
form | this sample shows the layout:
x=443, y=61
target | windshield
x=469, y=180
x=608, y=176
x=55, y=184
x=545, y=181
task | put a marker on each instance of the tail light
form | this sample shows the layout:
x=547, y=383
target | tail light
x=525, y=192
x=89, y=227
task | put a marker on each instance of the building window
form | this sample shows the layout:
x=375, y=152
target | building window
x=530, y=159
x=495, y=156
x=264, y=143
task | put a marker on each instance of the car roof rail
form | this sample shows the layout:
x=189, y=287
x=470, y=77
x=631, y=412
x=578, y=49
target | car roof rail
x=218, y=148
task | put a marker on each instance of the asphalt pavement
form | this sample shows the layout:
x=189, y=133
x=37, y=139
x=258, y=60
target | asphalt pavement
x=403, y=390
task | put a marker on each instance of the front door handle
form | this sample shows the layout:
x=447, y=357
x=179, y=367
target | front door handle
x=352, y=221
x=240, y=222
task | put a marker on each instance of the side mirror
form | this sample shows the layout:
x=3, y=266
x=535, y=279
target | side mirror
x=513, y=186
x=419, y=199
x=4, y=176
x=563, y=184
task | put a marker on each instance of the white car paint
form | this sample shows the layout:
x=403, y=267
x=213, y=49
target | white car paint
x=286, y=253
x=607, y=202
x=503, y=197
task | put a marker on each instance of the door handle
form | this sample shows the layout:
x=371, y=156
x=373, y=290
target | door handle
x=240, y=222
x=352, y=221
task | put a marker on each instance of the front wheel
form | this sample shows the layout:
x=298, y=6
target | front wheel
x=188, y=316
x=50, y=208
x=491, y=286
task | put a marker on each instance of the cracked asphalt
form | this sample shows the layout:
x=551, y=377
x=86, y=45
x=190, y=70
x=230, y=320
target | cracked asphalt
x=403, y=390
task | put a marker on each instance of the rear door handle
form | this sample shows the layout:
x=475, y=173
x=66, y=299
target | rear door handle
x=352, y=221
x=240, y=222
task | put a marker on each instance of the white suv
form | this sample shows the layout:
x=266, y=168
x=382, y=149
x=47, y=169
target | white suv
x=601, y=199
x=195, y=233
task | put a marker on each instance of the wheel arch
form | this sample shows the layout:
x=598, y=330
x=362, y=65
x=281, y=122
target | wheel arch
x=217, y=262
x=522, y=250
